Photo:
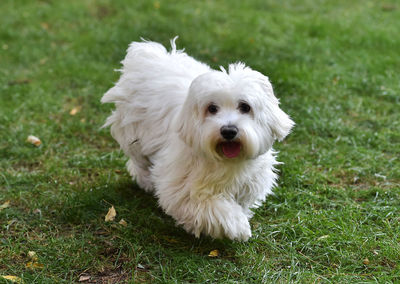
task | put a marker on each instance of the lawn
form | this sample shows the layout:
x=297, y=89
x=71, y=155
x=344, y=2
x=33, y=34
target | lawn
x=335, y=215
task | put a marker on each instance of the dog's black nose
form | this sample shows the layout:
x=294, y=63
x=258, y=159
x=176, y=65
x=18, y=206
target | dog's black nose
x=229, y=131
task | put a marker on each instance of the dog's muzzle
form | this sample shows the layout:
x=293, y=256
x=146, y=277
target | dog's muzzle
x=230, y=148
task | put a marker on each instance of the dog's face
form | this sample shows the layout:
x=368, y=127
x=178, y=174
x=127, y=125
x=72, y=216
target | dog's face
x=232, y=115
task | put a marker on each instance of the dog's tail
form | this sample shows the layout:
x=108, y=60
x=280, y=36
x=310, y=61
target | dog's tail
x=140, y=59
x=149, y=61
x=142, y=54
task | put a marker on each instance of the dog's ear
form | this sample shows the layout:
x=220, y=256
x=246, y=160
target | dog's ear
x=279, y=122
x=186, y=124
x=276, y=120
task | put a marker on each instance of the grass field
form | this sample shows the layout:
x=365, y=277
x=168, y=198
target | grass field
x=336, y=213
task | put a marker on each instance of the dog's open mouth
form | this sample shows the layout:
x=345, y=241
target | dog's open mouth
x=230, y=149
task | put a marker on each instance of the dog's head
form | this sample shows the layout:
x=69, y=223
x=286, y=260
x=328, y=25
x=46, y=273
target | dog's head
x=232, y=115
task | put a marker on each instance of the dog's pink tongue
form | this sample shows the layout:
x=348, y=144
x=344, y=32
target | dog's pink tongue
x=231, y=149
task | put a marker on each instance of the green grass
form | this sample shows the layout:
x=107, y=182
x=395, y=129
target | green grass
x=335, y=67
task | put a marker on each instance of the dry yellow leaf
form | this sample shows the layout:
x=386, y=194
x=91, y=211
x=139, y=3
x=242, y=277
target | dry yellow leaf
x=33, y=265
x=123, y=223
x=366, y=261
x=34, y=140
x=75, y=110
x=214, y=253
x=111, y=214
x=12, y=278
x=5, y=205
x=84, y=278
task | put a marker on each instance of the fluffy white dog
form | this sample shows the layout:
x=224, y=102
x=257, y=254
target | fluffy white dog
x=199, y=139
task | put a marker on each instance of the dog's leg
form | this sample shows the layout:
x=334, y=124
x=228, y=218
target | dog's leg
x=220, y=217
x=140, y=175
x=217, y=217
x=138, y=166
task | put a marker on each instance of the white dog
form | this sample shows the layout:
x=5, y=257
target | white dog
x=199, y=139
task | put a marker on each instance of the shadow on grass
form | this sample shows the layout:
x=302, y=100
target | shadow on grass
x=147, y=225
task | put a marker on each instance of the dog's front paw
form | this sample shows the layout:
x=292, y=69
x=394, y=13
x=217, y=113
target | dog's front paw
x=218, y=218
x=236, y=226
x=227, y=219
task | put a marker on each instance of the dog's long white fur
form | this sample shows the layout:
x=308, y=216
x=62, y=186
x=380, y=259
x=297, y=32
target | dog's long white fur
x=162, y=124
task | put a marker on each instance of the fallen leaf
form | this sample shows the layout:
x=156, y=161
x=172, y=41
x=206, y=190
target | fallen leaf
x=366, y=261
x=5, y=205
x=141, y=267
x=214, y=253
x=12, y=278
x=32, y=255
x=111, y=214
x=34, y=140
x=33, y=265
x=38, y=265
x=84, y=278
x=122, y=222
x=75, y=110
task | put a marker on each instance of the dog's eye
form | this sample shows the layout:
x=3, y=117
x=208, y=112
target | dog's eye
x=213, y=109
x=244, y=107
